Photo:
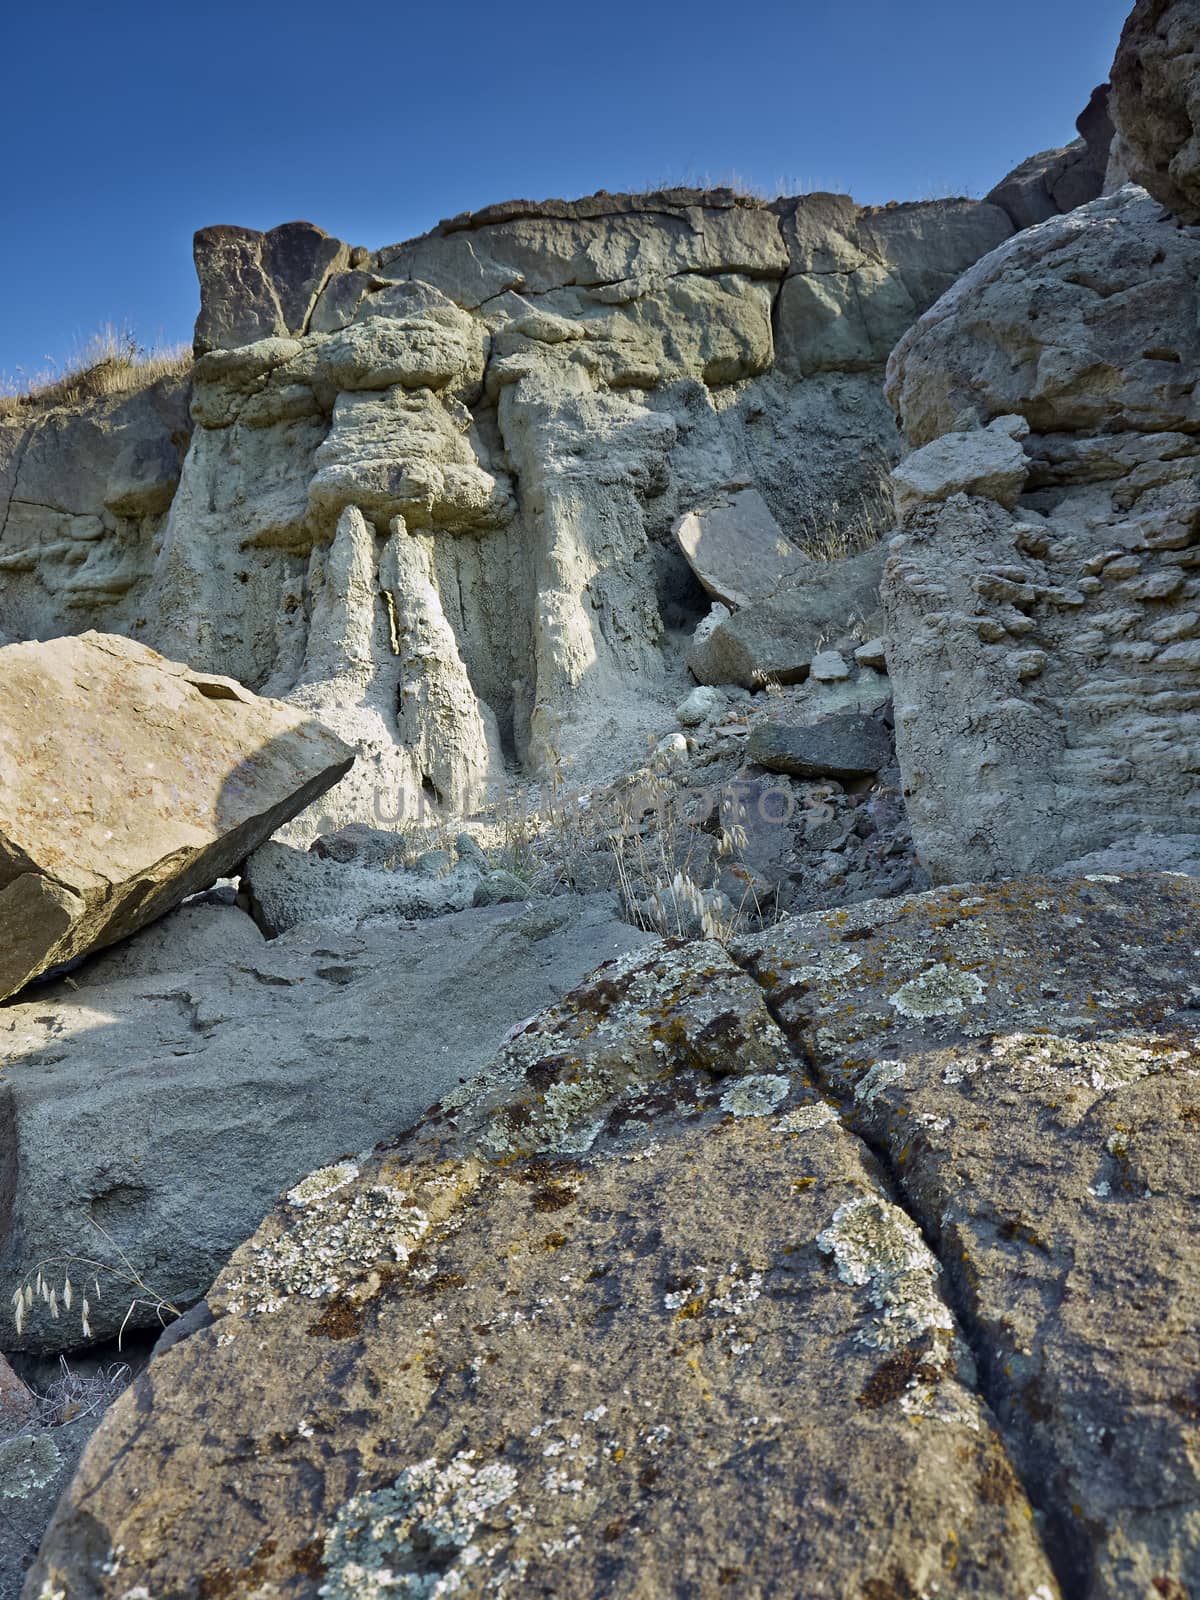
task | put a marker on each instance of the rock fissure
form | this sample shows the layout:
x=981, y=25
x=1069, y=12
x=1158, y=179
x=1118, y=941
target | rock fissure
x=974, y=1336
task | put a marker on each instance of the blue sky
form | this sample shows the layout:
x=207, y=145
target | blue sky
x=130, y=125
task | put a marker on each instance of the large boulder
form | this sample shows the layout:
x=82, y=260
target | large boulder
x=153, y=1106
x=737, y=550
x=1156, y=102
x=132, y=782
x=1044, y=625
x=844, y=745
x=544, y=1341
x=775, y=637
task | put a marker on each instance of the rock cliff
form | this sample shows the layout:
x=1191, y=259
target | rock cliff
x=429, y=492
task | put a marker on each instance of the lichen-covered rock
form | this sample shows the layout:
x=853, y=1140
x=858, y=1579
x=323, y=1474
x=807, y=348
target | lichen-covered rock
x=1156, y=102
x=131, y=782
x=635, y=1276
x=1027, y=1060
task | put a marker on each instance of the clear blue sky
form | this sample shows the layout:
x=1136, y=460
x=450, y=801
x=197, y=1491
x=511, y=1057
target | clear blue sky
x=131, y=124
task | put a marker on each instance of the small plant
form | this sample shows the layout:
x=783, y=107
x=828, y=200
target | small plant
x=51, y=1284
x=112, y=361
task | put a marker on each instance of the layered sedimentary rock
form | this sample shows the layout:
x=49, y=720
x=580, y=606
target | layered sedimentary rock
x=1044, y=635
x=429, y=492
x=881, y=1247
x=130, y=782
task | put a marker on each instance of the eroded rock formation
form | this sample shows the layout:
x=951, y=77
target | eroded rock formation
x=429, y=493
x=1045, y=635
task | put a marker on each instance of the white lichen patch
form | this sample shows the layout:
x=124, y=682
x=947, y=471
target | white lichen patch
x=835, y=962
x=1101, y=1064
x=939, y=991
x=416, y=1538
x=332, y=1242
x=323, y=1182
x=876, y=1079
x=756, y=1096
x=807, y=1119
x=28, y=1462
x=564, y=1124
x=877, y=1246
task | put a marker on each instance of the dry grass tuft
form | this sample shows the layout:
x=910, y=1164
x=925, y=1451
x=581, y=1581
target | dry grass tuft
x=110, y=362
x=842, y=532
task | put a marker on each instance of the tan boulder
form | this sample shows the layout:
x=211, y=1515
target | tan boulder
x=738, y=550
x=129, y=782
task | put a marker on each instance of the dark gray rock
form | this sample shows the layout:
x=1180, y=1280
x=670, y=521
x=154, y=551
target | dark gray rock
x=845, y=745
x=1156, y=108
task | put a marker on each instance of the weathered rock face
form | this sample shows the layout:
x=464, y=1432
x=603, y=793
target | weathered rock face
x=1044, y=639
x=546, y=1339
x=429, y=494
x=572, y=1300
x=1056, y=181
x=1027, y=1061
x=1156, y=102
x=158, y=1105
x=131, y=782
x=258, y=285
x=84, y=497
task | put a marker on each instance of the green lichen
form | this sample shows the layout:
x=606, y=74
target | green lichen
x=1102, y=1064
x=939, y=991
x=28, y=1462
x=416, y=1538
x=333, y=1240
x=878, y=1078
x=756, y=1096
x=322, y=1183
x=807, y=1119
x=876, y=1246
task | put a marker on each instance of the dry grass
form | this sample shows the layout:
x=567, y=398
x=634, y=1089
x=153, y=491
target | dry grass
x=73, y=1394
x=840, y=532
x=110, y=362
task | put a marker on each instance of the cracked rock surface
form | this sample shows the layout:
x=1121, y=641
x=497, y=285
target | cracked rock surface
x=877, y=1227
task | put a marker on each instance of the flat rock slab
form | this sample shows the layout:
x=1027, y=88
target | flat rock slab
x=845, y=745
x=159, y=1101
x=131, y=782
x=631, y=1315
x=1027, y=1060
x=737, y=549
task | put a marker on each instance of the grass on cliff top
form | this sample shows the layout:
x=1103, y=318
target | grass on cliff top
x=111, y=362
